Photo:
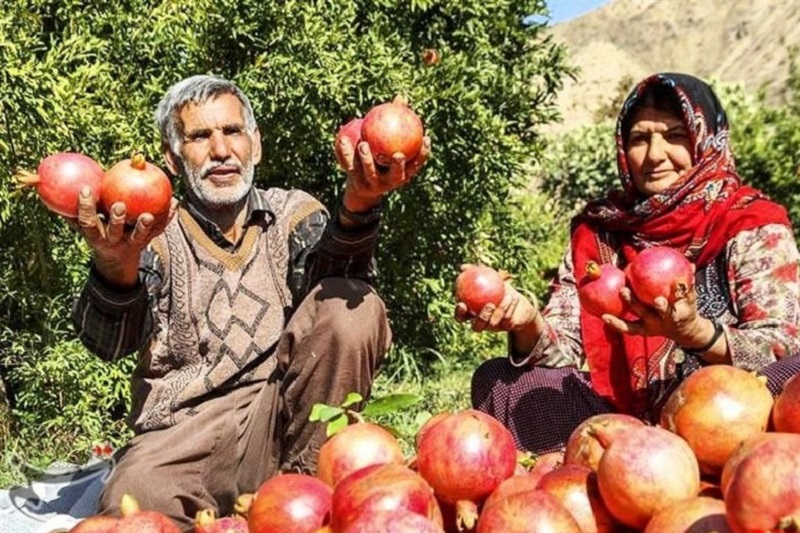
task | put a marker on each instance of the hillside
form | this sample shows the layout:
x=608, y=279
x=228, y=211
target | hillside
x=737, y=41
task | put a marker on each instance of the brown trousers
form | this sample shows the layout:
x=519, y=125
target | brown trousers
x=332, y=346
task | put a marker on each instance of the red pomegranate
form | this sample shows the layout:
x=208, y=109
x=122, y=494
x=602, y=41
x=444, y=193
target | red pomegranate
x=532, y=511
x=660, y=271
x=140, y=185
x=695, y=515
x=478, y=286
x=350, y=131
x=513, y=485
x=764, y=491
x=354, y=447
x=584, y=447
x=644, y=470
x=382, y=488
x=135, y=520
x=392, y=522
x=60, y=178
x=715, y=409
x=547, y=462
x=786, y=412
x=575, y=487
x=96, y=524
x=206, y=521
x=598, y=289
x=740, y=453
x=465, y=457
x=391, y=128
x=290, y=502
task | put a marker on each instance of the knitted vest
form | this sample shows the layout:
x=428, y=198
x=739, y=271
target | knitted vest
x=219, y=314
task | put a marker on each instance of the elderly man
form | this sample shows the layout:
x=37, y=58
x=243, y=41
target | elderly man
x=246, y=306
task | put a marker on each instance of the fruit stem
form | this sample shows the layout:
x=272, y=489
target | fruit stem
x=138, y=161
x=789, y=523
x=26, y=179
x=128, y=505
x=592, y=270
x=466, y=515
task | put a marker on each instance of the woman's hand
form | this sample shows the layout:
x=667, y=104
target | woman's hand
x=116, y=248
x=680, y=321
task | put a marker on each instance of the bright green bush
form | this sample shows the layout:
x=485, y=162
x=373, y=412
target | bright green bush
x=85, y=76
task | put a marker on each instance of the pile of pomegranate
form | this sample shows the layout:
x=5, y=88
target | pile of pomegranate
x=725, y=457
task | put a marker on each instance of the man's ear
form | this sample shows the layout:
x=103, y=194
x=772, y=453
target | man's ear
x=256, y=146
x=172, y=161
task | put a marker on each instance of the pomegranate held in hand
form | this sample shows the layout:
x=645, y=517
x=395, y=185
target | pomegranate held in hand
x=60, y=178
x=141, y=186
x=478, y=286
x=660, y=271
x=390, y=128
x=352, y=132
x=598, y=289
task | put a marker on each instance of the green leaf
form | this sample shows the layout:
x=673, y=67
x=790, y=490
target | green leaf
x=351, y=399
x=323, y=413
x=336, y=425
x=390, y=404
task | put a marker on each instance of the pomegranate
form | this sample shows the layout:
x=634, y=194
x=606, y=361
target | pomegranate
x=598, y=290
x=545, y=463
x=644, y=470
x=465, y=457
x=135, y=520
x=478, y=286
x=695, y=515
x=786, y=412
x=575, y=487
x=764, y=491
x=60, y=178
x=584, y=447
x=715, y=409
x=432, y=421
x=382, y=488
x=356, y=446
x=513, y=485
x=392, y=522
x=352, y=132
x=96, y=524
x=206, y=521
x=660, y=271
x=290, y=502
x=140, y=185
x=740, y=453
x=527, y=512
x=391, y=128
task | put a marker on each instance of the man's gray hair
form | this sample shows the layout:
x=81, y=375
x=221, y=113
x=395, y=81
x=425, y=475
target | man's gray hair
x=200, y=89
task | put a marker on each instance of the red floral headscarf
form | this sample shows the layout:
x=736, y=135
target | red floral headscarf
x=697, y=215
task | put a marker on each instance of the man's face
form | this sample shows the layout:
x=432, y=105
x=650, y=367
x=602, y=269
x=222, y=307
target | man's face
x=217, y=155
x=658, y=151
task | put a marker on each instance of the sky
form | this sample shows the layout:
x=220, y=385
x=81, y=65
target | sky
x=563, y=10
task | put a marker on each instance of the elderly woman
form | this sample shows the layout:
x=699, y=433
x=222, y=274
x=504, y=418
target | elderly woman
x=679, y=189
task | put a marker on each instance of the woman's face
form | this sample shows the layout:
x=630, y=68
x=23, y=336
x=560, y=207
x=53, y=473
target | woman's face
x=658, y=150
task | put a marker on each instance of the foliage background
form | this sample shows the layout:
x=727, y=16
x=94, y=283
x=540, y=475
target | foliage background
x=80, y=75
x=85, y=76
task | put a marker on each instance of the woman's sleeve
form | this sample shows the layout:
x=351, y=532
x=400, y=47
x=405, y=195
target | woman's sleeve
x=560, y=343
x=765, y=290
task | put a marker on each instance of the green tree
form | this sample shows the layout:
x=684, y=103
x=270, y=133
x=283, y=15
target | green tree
x=85, y=76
